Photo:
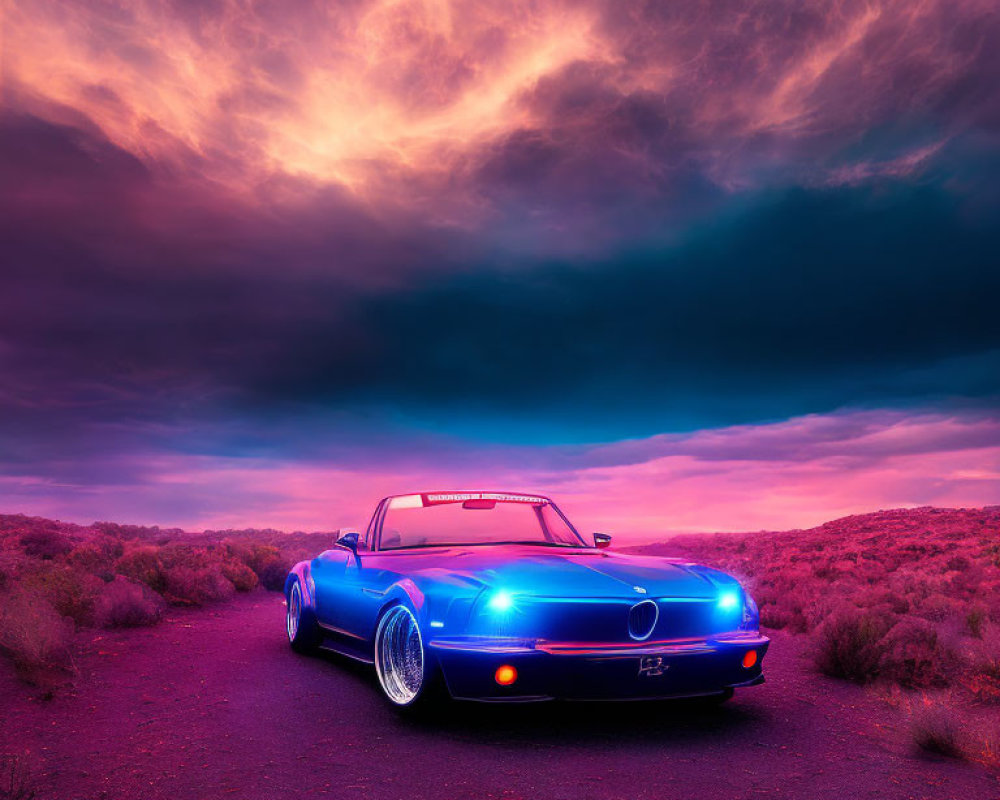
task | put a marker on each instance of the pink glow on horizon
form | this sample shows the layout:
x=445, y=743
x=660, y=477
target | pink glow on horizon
x=793, y=474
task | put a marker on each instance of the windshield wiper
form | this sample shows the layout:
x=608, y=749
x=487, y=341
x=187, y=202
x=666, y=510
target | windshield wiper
x=536, y=543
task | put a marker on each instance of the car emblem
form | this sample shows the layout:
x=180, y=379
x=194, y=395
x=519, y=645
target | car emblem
x=652, y=666
x=639, y=589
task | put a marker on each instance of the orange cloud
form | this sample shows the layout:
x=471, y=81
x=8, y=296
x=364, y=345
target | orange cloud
x=318, y=94
x=390, y=97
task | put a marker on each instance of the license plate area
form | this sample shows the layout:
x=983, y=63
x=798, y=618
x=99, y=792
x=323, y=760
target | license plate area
x=651, y=666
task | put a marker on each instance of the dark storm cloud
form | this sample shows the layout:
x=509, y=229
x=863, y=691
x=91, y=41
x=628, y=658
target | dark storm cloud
x=126, y=304
x=811, y=300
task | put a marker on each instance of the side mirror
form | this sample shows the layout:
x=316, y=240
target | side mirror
x=602, y=540
x=350, y=541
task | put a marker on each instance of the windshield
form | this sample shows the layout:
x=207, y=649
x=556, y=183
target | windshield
x=474, y=518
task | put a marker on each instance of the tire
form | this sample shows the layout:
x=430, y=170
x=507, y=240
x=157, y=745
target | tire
x=304, y=634
x=408, y=677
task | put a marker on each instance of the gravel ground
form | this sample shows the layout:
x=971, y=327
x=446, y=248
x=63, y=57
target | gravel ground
x=213, y=704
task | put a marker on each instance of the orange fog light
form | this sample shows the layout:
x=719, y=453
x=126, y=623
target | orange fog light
x=505, y=675
x=749, y=658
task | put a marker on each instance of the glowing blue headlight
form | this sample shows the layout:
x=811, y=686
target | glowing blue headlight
x=501, y=601
x=729, y=600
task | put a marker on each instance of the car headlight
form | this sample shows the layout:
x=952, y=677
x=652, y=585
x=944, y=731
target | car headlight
x=500, y=602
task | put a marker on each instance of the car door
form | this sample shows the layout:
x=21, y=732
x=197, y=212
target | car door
x=365, y=581
x=348, y=587
x=328, y=573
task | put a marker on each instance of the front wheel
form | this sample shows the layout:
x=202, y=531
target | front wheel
x=300, y=623
x=407, y=678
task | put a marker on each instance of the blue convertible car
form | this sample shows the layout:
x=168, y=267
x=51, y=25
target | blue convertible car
x=495, y=596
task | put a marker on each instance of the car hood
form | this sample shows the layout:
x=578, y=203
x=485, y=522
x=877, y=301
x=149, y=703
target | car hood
x=579, y=573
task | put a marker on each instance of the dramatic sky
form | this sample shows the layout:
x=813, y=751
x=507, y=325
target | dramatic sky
x=682, y=265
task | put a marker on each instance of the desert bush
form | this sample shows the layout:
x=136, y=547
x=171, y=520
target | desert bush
x=849, y=645
x=268, y=563
x=35, y=637
x=142, y=564
x=957, y=563
x=882, y=599
x=189, y=586
x=983, y=682
x=272, y=577
x=239, y=575
x=774, y=616
x=69, y=591
x=982, y=673
x=97, y=557
x=938, y=607
x=966, y=584
x=913, y=656
x=937, y=728
x=259, y=556
x=126, y=604
x=45, y=544
x=185, y=555
x=9, y=567
x=119, y=531
x=237, y=550
x=975, y=622
x=788, y=602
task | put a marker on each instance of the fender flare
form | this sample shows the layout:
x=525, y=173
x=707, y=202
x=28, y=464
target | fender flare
x=303, y=572
x=403, y=591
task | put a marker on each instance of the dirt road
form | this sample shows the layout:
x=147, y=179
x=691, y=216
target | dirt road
x=213, y=704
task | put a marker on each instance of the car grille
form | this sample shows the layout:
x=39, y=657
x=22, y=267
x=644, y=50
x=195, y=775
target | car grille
x=642, y=619
x=557, y=619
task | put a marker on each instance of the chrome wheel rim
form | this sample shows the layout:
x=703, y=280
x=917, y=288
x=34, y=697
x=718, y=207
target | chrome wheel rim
x=294, y=610
x=399, y=655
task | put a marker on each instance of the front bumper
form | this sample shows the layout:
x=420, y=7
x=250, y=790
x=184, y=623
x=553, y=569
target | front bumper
x=587, y=671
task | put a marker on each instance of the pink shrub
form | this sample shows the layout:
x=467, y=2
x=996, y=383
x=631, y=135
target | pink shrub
x=849, y=645
x=938, y=607
x=957, y=563
x=976, y=620
x=239, y=575
x=96, y=557
x=881, y=599
x=188, y=586
x=10, y=564
x=261, y=555
x=775, y=616
x=142, y=564
x=35, y=637
x=69, y=591
x=272, y=576
x=45, y=544
x=125, y=604
x=982, y=673
x=914, y=657
x=966, y=584
x=937, y=728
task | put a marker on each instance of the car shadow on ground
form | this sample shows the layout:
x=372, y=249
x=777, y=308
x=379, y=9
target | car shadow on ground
x=588, y=722
x=538, y=723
